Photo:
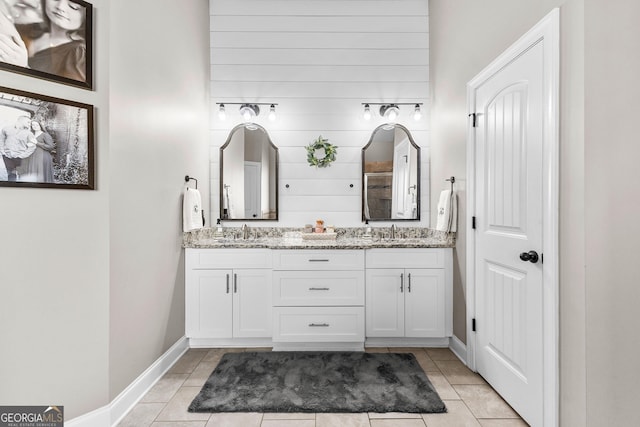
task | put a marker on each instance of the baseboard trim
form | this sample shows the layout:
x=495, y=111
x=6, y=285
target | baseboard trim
x=229, y=342
x=318, y=346
x=126, y=400
x=459, y=349
x=113, y=413
x=406, y=342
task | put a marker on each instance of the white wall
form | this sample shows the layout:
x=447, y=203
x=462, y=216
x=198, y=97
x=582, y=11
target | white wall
x=612, y=206
x=319, y=60
x=54, y=268
x=159, y=113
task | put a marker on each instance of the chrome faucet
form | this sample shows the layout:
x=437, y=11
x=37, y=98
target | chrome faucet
x=245, y=231
x=392, y=234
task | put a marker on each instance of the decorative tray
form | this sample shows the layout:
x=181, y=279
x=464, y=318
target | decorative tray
x=319, y=236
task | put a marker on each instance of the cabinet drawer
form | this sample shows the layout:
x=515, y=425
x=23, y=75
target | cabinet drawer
x=227, y=258
x=406, y=258
x=318, y=288
x=318, y=324
x=318, y=259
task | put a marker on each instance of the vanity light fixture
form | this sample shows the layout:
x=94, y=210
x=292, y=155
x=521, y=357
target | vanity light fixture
x=391, y=111
x=248, y=111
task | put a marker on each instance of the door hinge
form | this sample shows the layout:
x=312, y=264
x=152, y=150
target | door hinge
x=473, y=325
x=473, y=222
x=473, y=120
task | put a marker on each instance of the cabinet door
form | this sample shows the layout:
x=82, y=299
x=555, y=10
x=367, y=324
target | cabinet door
x=424, y=303
x=385, y=302
x=251, y=303
x=208, y=304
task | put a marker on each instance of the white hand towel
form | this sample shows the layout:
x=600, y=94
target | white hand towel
x=447, y=211
x=191, y=210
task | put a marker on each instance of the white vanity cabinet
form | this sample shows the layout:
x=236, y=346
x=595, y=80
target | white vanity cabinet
x=228, y=296
x=408, y=293
x=318, y=299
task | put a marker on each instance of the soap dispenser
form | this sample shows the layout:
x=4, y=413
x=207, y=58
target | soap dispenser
x=219, y=232
x=367, y=231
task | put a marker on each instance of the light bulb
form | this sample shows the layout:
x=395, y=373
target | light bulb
x=367, y=112
x=417, y=114
x=272, y=113
x=248, y=112
x=392, y=115
x=222, y=114
x=390, y=112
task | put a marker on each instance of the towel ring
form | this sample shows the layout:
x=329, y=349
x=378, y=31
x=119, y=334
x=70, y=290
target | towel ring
x=187, y=178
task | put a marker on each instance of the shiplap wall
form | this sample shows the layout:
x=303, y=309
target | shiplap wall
x=319, y=60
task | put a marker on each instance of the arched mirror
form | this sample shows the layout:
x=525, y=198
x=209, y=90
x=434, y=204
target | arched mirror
x=249, y=175
x=391, y=175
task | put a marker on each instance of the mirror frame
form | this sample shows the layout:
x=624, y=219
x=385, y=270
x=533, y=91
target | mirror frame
x=221, y=189
x=413, y=144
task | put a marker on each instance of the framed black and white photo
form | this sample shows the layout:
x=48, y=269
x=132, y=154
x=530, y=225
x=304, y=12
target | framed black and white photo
x=45, y=142
x=50, y=39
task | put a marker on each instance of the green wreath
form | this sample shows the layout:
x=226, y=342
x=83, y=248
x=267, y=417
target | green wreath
x=330, y=152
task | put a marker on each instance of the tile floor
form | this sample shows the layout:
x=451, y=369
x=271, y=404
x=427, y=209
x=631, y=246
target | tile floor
x=470, y=401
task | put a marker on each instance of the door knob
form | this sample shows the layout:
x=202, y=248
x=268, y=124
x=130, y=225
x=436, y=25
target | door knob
x=531, y=256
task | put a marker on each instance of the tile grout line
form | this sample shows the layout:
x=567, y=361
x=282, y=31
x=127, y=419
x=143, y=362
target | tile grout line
x=163, y=408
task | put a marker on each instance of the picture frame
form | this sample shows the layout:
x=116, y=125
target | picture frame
x=45, y=142
x=48, y=39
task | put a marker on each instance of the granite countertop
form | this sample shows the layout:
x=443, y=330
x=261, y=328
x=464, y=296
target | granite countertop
x=346, y=238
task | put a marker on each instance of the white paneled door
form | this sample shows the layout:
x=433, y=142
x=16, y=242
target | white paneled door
x=252, y=189
x=401, y=180
x=510, y=108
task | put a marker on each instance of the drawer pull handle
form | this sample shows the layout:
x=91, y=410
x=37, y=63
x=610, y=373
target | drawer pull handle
x=319, y=289
x=227, y=283
x=409, y=287
x=318, y=325
x=401, y=282
x=235, y=283
x=318, y=260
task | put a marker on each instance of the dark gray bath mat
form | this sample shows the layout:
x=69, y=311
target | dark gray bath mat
x=318, y=382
